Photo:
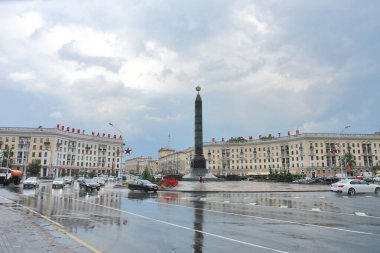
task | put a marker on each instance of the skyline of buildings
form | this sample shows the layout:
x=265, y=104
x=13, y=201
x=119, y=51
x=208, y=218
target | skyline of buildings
x=62, y=150
x=73, y=152
x=315, y=154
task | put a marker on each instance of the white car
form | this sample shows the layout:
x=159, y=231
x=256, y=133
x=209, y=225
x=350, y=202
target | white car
x=353, y=186
x=59, y=182
x=376, y=178
x=31, y=182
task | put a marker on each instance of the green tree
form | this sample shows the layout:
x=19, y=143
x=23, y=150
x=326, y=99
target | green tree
x=348, y=158
x=276, y=175
x=288, y=177
x=375, y=169
x=35, y=168
x=7, y=157
x=271, y=175
x=146, y=174
x=91, y=174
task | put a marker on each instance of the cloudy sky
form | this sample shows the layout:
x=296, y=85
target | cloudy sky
x=264, y=67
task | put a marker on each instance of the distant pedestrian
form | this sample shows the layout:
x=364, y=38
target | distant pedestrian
x=200, y=179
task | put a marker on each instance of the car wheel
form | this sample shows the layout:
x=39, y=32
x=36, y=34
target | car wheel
x=377, y=190
x=351, y=191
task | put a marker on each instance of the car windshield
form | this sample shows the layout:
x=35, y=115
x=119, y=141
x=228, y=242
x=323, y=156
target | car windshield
x=146, y=182
x=89, y=180
x=344, y=181
x=58, y=179
x=32, y=179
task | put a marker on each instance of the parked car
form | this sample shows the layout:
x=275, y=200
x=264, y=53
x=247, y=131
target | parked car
x=89, y=184
x=31, y=182
x=68, y=180
x=80, y=179
x=353, y=186
x=58, y=182
x=376, y=178
x=100, y=180
x=142, y=185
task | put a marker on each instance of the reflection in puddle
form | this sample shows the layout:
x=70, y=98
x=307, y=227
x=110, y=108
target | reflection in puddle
x=198, y=226
x=77, y=209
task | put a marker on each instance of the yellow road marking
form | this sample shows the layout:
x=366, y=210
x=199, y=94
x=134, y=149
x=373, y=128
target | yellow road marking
x=77, y=239
x=59, y=227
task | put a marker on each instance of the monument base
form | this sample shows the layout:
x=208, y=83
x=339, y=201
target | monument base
x=206, y=177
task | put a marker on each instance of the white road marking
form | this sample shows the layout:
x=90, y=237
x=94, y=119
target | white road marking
x=186, y=228
x=283, y=221
x=321, y=197
x=226, y=201
x=297, y=197
x=316, y=209
x=283, y=206
x=330, y=212
x=203, y=199
x=360, y=214
x=252, y=204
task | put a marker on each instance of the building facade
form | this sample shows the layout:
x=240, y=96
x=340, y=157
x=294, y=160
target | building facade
x=171, y=162
x=137, y=165
x=62, y=150
x=314, y=154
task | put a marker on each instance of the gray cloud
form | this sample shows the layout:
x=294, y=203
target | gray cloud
x=70, y=52
x=264, y=67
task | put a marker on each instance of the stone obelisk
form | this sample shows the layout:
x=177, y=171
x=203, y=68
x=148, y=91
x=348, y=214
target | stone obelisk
x=198, y=163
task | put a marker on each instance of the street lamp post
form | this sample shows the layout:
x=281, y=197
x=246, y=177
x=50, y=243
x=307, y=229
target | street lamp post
x=23, y=162
x=241, y=162
x=56, y=170
x=340, y=149
x=122, y=151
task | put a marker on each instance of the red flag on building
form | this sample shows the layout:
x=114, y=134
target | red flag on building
x=348, y=167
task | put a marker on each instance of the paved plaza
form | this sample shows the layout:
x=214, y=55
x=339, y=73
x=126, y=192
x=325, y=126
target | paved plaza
x=247, y=186
x=23, y=230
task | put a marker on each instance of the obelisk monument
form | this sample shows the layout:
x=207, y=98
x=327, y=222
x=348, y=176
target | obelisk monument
x=198, y=163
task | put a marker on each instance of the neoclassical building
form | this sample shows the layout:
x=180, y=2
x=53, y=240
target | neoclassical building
x=137, y=165
x=316, y=154
x=61, y=149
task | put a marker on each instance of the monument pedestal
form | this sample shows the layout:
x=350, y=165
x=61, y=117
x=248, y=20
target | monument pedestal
x=205, y=177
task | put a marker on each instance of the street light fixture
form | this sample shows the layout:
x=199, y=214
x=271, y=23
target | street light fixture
x=122, y=151
x=340, y=147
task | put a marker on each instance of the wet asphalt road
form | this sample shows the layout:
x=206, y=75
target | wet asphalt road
x=118, y=220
